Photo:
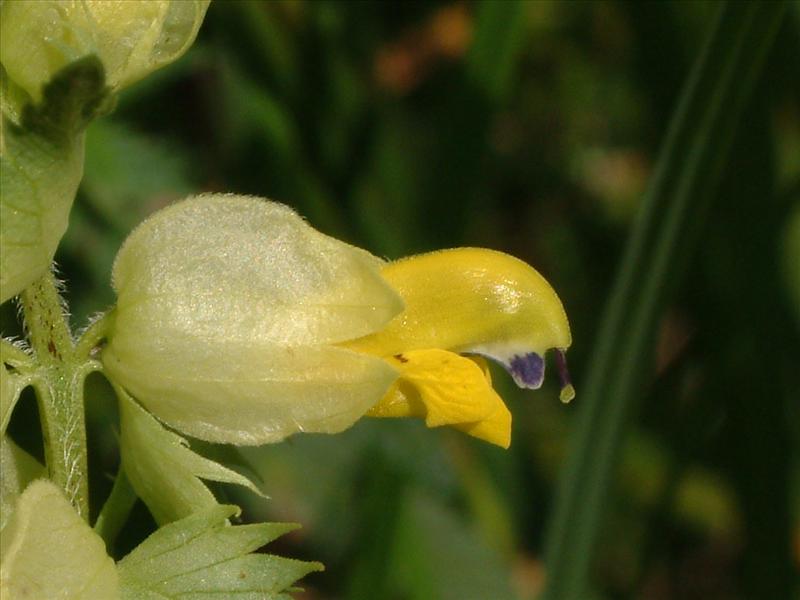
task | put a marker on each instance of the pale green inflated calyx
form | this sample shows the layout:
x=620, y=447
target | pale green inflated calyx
x=228, y=314
x=131, y=37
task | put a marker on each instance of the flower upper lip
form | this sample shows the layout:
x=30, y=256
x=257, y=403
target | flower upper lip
x=466, y=301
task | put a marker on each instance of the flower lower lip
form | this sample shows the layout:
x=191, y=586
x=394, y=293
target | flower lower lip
x=527, y=370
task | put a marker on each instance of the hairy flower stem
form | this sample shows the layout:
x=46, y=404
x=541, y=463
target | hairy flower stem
x=59, y=389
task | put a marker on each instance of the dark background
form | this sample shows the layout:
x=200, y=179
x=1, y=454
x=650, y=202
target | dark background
x=409, y=126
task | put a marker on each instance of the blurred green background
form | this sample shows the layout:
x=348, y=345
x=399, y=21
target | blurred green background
x=527, y=127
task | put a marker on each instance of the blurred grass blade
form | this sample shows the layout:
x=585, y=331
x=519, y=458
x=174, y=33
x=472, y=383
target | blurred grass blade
x=496, y=48
x=688, y=168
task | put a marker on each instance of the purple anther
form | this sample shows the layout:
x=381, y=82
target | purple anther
x=527, y=370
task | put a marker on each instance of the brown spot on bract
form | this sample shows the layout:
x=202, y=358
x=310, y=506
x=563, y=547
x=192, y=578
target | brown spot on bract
x=401, y=358
x=242, y=575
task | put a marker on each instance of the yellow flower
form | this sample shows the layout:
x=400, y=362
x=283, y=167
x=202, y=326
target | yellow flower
x=470, y=301
x=237, y=322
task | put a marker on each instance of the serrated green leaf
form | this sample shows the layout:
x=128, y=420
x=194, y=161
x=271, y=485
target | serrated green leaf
x=205, y=551
x=163, y=470
x=48, y=551
x=202, y=555
x=41, y=164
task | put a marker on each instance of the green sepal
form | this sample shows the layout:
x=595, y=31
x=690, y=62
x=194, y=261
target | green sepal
x=202, y=555
x=163, y=470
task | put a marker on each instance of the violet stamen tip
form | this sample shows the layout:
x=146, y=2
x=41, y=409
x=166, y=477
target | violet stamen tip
x=567, y=389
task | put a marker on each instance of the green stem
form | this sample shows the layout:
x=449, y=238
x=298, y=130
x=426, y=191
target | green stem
x=93, y=335
x=688, y=168
x=59, y=388
x=14, y=356
x=116, y=510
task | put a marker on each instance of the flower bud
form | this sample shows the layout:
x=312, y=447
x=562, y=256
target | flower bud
x=229, y=312
x=131, y=37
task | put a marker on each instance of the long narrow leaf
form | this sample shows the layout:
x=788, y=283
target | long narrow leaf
x=688, y=168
